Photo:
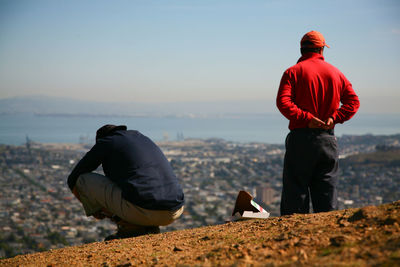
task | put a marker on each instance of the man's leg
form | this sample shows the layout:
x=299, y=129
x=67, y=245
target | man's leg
x=153, y=218
x=92, y=189
x=323, y=185
x=99, y=195
x=297, y=171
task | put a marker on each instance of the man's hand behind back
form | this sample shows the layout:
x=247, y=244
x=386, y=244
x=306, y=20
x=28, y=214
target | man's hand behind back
x=329, y=124
x=316, y=123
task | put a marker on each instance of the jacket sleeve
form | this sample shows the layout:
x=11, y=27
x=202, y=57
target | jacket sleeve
x=350, y=103
x=285, y=100
x=89, y=162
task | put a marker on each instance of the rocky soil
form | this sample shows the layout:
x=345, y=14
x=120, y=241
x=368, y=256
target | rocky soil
x=369, y=236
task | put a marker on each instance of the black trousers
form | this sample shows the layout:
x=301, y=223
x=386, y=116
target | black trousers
x=310, y=168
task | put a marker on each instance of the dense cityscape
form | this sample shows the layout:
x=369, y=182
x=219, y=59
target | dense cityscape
x=38, y=212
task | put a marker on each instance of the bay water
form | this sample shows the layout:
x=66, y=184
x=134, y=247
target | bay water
x=265, y=128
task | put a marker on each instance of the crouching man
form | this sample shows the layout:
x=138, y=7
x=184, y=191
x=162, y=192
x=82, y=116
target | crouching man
x=139, y=191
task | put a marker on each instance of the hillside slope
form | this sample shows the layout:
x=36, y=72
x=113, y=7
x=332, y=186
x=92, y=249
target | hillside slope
x=369, y=236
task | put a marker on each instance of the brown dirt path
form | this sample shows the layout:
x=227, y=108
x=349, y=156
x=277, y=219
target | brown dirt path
x=356, y=237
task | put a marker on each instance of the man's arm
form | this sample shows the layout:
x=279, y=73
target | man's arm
x=88, y=163
x=350, y=104
x=285, y=104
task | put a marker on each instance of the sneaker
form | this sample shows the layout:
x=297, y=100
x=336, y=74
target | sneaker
x=124, y=233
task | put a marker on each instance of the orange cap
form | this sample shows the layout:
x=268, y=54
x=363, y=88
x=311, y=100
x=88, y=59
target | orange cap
x=315, y=38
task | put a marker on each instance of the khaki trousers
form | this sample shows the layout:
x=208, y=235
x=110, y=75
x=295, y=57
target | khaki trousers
x=96, y=192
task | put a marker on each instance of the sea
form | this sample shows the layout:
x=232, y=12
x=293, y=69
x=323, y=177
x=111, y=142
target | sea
x=16, y=129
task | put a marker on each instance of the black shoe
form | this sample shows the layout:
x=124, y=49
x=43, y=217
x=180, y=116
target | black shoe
x=116, y=235
x=121, y=233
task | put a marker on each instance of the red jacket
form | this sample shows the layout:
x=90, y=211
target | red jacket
x=315, y=88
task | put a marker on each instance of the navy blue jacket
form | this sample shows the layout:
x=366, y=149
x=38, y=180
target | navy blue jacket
x=137, y=166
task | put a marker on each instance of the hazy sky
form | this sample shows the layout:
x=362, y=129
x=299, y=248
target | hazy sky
x=192, y=50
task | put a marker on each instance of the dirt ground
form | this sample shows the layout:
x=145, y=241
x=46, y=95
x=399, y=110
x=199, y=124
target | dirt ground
x=355, y=237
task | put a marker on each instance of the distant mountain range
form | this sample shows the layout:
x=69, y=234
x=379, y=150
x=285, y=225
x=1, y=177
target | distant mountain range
x=44, y=105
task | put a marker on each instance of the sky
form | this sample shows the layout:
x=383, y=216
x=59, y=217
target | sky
x=152, y=51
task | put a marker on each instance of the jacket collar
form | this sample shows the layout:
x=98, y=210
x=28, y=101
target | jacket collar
x=310, y=55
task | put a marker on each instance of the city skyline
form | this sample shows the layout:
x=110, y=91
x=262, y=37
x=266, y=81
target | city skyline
x=192, y=51
x=39, y=212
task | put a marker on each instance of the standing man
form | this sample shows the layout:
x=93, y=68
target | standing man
x=139, y=191
x=309, y=96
